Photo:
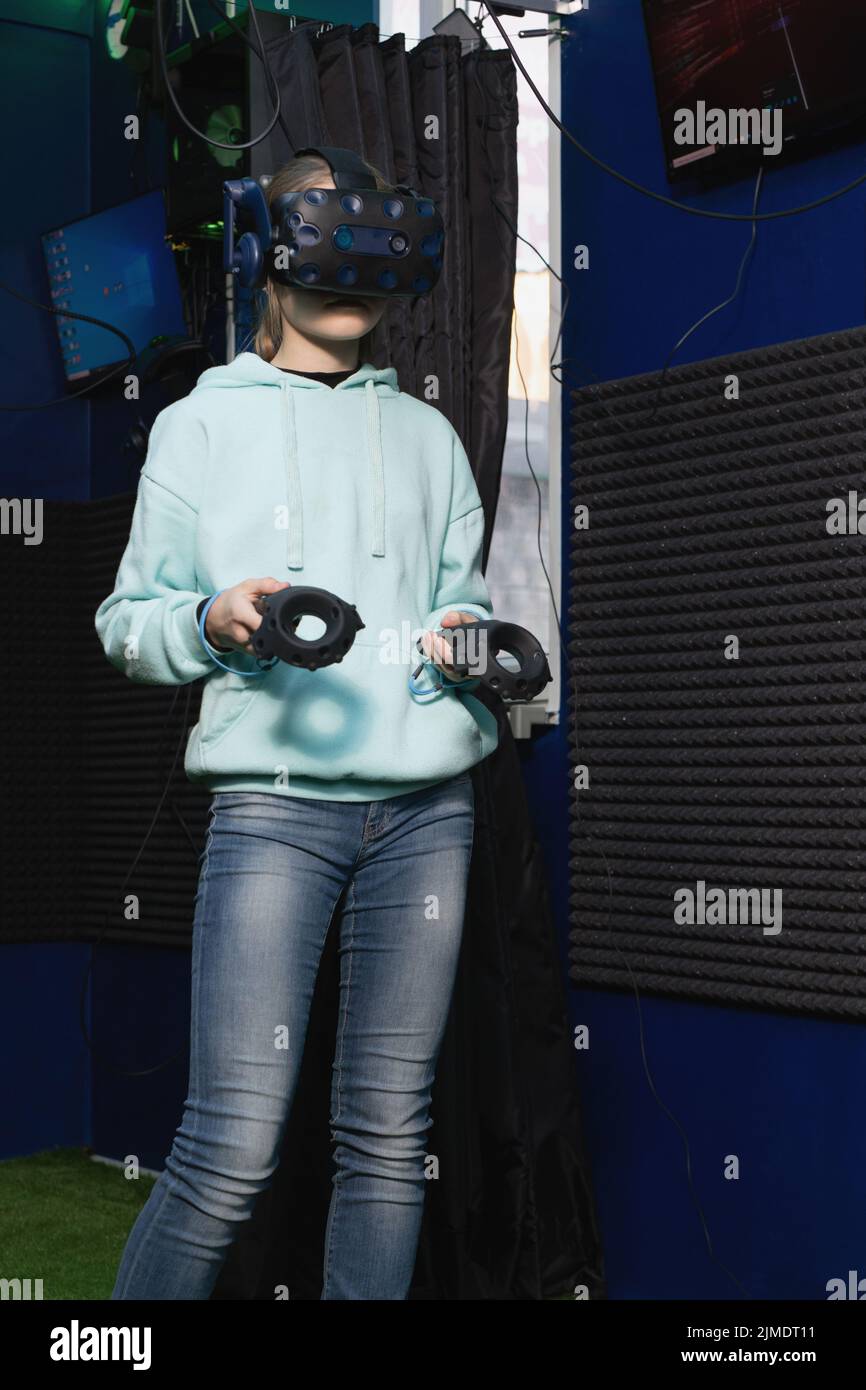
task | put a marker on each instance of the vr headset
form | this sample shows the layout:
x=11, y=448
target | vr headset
x=354, y=239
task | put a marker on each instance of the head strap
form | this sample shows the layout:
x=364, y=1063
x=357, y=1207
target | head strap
x=348, y=169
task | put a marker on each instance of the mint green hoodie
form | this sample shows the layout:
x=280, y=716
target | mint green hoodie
x=359, y=489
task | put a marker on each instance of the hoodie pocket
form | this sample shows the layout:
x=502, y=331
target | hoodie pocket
x=355, y=721
x=225, y=702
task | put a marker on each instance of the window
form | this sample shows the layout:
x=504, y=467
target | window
x=525, y=522
x=515, y=574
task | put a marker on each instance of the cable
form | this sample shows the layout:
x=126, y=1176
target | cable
x=220, y=144
x=191, y=17
x=503, y=214
x=261, y=54
x=85, y=318
x=664, y=1108
x=140, y=156
x=610, y=933
x=649, y=192
x=747, y=256
x=145, y=1071
x=186, y=347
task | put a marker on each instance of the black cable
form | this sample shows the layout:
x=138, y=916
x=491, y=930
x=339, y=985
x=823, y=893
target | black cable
x=657, y=1098
x=641, y=1033
x=160, y=1066
x=261, y=54
x=747, y=256
x=220, y=144
x=610, y=932
x=188, y=345
x=649, y=192
x=85, y=318
x=140, y=157
x=503, y=214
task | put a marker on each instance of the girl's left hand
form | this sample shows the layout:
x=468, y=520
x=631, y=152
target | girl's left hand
x=436, y=648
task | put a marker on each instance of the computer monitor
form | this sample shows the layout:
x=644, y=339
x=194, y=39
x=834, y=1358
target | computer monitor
x=803, y=59
x=116, y=266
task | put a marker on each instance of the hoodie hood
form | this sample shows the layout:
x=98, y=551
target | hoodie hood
x=249, y=370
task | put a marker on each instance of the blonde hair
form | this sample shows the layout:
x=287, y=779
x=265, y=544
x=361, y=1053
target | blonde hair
x=304, y=171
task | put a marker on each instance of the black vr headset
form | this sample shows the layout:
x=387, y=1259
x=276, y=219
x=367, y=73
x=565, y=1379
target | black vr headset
x=351, y=239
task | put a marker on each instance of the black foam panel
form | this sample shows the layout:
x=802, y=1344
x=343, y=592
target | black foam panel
x=707, y=520
x=88, y=753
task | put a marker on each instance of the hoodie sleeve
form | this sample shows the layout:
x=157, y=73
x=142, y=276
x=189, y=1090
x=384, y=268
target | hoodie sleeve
x=460, y=584
x=148, y=626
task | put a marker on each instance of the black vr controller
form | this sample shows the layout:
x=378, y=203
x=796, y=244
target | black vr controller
x=277, y=640
x=474, y=648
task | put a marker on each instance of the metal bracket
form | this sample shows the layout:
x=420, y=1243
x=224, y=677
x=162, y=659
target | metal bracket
x=523, y=717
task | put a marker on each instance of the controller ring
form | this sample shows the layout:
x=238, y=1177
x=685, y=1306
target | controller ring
x=277, y=639
x=523, y=684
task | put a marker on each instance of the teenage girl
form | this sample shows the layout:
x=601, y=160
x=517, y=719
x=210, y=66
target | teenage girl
x=301, y=463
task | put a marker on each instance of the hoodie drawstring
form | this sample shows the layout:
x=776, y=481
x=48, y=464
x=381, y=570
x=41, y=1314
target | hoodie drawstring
x=377, y=467
x=295, y=546
x=295, y=550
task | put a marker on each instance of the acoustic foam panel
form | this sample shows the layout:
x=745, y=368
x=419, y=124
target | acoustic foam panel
x=88, y=753
x=717, y=670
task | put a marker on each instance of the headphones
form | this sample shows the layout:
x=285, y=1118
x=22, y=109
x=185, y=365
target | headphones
x=354, y=239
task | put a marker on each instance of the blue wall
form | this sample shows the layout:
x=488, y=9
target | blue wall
x=782, y=1092
x=45, y=104
x=46, y=1082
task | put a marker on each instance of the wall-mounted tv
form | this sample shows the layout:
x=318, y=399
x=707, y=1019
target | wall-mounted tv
x=796, y=66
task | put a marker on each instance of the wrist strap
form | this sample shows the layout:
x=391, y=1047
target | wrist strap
x=445, y=682
x=233, y=670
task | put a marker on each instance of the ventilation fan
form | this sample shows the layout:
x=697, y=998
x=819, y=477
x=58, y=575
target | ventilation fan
x=226, y=124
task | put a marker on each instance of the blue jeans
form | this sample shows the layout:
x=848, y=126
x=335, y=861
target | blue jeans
x=273, y=870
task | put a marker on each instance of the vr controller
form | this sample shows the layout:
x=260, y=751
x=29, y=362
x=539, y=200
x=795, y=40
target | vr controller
x=277, y=639
x=355, y=239
x=474, y=652
x=474, y=647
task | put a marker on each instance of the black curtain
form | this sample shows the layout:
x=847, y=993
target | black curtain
x=511, y=1214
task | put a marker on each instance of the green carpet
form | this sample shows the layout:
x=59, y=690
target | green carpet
x=64, y=1219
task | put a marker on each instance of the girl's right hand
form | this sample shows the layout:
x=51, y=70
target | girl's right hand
x=233, y=617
